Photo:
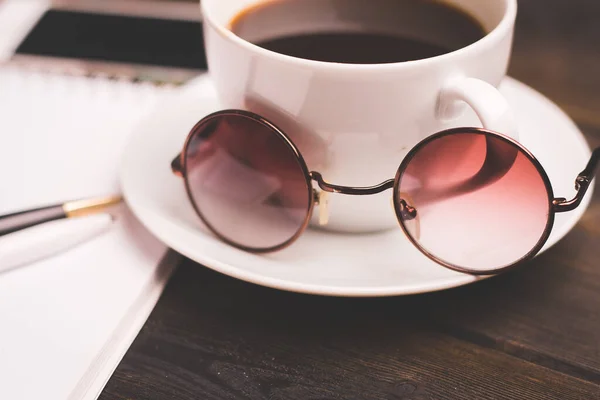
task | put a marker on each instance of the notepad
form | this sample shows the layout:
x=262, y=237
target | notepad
x=65, y=322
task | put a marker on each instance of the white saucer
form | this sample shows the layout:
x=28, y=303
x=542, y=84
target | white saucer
x=382, y=264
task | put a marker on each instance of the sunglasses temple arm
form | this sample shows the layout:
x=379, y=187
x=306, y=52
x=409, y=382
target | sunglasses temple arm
x=582, y=184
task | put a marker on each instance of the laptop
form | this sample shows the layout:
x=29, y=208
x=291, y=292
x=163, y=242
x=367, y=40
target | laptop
x=139, y=40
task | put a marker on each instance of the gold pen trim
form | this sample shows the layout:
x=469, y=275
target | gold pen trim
x=82, y=208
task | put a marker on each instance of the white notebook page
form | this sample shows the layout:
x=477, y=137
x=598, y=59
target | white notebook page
x=65, y=322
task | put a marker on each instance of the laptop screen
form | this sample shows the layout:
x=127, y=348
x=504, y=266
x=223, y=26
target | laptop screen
x=116, y=38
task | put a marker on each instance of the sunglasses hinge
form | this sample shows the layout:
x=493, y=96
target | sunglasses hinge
x=176, y=166
x=582, y=185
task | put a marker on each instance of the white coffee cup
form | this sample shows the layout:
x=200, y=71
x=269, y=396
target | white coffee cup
x=354, y=123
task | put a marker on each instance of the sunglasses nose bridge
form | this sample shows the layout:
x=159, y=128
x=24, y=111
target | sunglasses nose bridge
x=406, y=211
x=350, y=190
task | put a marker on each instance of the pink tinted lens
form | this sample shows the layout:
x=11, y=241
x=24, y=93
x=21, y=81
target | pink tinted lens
x=246, y=181
x=481, y=203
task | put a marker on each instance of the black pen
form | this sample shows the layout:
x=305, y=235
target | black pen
x=27, y=236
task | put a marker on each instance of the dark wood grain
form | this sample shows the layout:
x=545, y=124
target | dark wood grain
x=212, y=337
x=556, y=52
x=530, y=334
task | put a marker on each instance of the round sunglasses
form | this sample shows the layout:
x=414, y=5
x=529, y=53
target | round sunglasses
x=470, y=199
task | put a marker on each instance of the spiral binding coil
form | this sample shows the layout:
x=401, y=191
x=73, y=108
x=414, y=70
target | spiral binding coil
x=136, y=74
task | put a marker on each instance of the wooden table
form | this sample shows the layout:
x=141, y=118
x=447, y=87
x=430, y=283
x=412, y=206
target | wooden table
x=530, y=334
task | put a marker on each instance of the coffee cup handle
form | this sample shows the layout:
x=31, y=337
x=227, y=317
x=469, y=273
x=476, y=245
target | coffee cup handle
x=489, y=104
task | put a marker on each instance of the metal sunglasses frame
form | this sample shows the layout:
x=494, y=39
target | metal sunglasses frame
x=402, y=209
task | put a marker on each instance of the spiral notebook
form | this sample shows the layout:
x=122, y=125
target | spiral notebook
x=66, y=322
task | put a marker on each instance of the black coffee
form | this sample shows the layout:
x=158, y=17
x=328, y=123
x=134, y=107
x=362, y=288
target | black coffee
x=358, y=31
x=353, y=48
